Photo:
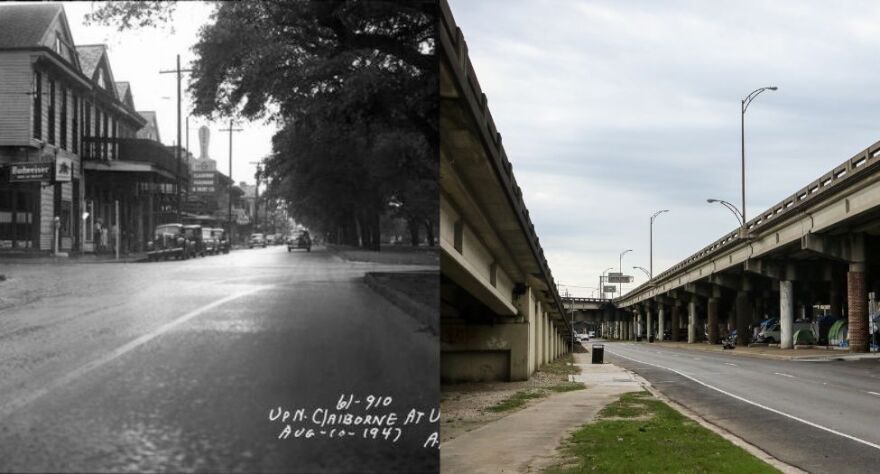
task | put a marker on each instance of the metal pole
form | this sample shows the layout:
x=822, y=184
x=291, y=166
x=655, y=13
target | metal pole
x=651, y=249
x=118, y=228
x=231, y=182
x=742, y=129
x=178, y=140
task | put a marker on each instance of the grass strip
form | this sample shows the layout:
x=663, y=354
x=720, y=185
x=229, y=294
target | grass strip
x=639, y=433
x=516, y=400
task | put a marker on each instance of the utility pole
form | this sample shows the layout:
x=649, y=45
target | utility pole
x=178, y=71
x=231, y=182
x=257, y=194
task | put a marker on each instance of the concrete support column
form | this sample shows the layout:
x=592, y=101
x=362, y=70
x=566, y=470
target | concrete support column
x=786, y=314
x=661, y=322
x=692, y=322
x=649, y=329
x=857, y=303
x=834, y=299
x=712, y=320
x=676, y=321
x=743, y=317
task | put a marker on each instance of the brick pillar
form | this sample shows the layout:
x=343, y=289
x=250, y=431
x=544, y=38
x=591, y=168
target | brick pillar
x=857, y=301
x=712, y=316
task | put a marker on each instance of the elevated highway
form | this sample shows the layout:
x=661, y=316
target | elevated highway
x=814, y=253
x=501, y=314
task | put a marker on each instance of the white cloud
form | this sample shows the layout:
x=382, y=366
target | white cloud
x=612, y=110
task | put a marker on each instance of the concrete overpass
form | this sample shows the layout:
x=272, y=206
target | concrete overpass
x=818, y=250
x=501, y=314
x=590, y=314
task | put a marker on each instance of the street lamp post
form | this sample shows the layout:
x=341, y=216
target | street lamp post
x=740, y=217
x=642, y=269
x=651, y=243
x=745, y=105
x=620, y=262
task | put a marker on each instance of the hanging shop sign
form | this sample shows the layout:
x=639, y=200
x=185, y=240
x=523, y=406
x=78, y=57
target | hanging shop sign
x=26, y=172
x=63, y=170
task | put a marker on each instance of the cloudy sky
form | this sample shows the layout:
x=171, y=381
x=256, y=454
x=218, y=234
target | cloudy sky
x=137, y=56
x=612, y=110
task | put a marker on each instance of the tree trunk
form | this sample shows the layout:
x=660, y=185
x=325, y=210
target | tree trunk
x=429, y=232
x=413, y=225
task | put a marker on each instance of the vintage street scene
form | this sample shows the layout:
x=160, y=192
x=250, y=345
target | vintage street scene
x=218, y=237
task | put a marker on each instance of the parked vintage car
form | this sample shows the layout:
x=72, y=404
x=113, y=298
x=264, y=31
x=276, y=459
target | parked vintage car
x=222, y=241
x=256, y=240
x=300, y=240
x=169, y=241
x=212, y=243
x=193, y=233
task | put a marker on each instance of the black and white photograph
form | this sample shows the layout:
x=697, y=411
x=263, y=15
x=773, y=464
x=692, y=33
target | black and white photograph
x=218, y=237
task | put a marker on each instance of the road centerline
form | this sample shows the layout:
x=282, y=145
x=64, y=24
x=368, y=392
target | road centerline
x=20, y=402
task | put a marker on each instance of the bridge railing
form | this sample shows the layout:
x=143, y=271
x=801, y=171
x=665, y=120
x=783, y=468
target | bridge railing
x=840, y=175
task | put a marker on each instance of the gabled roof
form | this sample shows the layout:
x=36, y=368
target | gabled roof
x=150, y=131
x=89, y=57
x=123, y=90
x=25, y=25
x=93, y=58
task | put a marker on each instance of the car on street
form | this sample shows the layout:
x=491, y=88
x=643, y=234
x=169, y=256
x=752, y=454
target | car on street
x=169, y=241
x=212, y=243
x=300, y=240
x=772, y=333
x=257, y=240
x=222, y=241
x=193, y=233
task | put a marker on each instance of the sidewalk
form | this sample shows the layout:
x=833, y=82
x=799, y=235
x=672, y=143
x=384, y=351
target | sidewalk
x=45, y=259
x=526, y=440
x=770, y=352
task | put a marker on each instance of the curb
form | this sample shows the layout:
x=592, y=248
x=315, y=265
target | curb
x=736, y=440
x=422, y=313
x=832, y=354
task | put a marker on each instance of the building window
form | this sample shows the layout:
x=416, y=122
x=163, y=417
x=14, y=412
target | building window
x=37, y=99
x=51, y=112
x=63, y=121
x=104, y=135
x=75, y=137
x=58, y=45
x=115, y=143
x=88, y=147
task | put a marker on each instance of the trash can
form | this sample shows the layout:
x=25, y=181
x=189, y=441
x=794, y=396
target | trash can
x=598, y=353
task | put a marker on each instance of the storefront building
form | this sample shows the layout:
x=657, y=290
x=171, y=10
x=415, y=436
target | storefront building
x=62, y=110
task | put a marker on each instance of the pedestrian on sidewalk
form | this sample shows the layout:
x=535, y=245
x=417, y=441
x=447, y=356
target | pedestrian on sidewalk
x=97, y=240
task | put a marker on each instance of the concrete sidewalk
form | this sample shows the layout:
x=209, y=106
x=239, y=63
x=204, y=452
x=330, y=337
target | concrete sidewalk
x=526, y=440
x=767, y=352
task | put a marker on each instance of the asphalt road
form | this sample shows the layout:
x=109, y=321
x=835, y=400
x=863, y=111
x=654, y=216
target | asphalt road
x=178, y=366
x=818, y=416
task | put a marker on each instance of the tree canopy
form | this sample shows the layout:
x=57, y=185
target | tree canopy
x=353, y=86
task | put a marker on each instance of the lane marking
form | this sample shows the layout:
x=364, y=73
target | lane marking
x=772, y=410
x=732, y=365
x=784, y=375
x=875, y=393
x=20, y=402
